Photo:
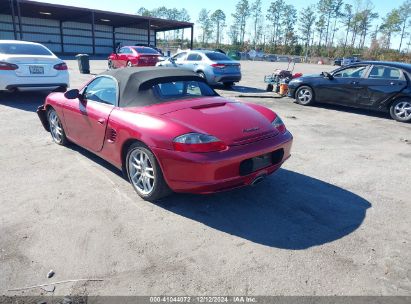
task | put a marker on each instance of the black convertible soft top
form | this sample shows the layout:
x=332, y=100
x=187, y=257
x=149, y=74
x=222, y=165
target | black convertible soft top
x=134, y=83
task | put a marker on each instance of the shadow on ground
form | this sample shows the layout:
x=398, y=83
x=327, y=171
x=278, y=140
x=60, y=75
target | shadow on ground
x=26, y=101
x=289, y=210
x=347, y=109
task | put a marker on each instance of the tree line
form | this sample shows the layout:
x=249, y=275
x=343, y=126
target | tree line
x=327, y=28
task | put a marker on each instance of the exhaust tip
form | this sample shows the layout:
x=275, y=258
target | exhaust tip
x=257, y=180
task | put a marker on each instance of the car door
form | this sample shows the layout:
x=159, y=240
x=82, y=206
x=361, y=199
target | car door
x=179, y=59
x=116, y=58
x=192, y=61
x=86, y=119
x=344, y=87
x=122, y=57
x=382, y=83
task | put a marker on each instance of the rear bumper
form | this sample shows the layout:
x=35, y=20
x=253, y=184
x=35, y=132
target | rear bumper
x=219, y=171
x=42, y=114
x=10, y=81
x=227, y=78
x=36, y=86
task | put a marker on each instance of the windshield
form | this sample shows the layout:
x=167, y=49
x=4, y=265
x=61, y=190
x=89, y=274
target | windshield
x=146, y=50
x=23, y=49
x=182, y=89
x=217, y=56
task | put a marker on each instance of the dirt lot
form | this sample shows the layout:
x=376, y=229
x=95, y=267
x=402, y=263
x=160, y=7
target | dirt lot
x=334, y=221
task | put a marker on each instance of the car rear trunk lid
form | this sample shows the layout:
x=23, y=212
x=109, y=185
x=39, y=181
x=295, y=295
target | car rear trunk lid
x=226, y=66
x=233, y=123
x=144, y=59
x=34, y=66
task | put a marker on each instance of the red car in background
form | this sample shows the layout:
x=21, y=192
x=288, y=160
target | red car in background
x=133, y=56
x=166, y=129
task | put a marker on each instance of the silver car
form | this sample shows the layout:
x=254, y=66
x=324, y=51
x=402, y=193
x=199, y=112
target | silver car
x=215, y=67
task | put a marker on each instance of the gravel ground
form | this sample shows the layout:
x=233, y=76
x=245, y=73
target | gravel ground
x=334, y=221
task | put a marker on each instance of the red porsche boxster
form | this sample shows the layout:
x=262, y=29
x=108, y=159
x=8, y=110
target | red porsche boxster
x=167, y=130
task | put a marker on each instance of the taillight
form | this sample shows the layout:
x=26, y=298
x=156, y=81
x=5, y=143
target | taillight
x=61, y=66
x=5, y=66
x=218, y=65
x=279, y=125
x=198, y=143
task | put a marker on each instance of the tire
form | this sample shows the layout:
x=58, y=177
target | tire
x=56, y=128
x=129, y=64
x=269, y=87
x=400, y=110
x=228, y=84
x=202, y=75
x=304, y=96
x=150, y=184
x=110, y=65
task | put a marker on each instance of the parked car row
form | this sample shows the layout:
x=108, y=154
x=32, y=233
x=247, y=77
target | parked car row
x=382, y=86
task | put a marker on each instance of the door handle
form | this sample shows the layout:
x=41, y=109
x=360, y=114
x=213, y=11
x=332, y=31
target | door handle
x=101, y=121
x=195, y=63
x=393, y=83
x=354, y=82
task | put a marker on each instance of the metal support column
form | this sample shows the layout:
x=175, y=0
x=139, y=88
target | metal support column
x=114, y=38
x=19, y=16
x=155, y=38
x=148, y=32
x=13, y=17
x=61, y=37
x=192, y=37
x=93, y=32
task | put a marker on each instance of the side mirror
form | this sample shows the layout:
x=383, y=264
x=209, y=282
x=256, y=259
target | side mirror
x=328, y=75
x=72, y=94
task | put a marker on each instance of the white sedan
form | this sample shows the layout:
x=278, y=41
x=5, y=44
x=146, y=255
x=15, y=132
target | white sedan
x=28, y=66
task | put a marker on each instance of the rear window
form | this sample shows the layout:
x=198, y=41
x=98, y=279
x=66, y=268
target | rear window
x=217, y=56
x=23, y=49
x=146, y=50
x=182, y=89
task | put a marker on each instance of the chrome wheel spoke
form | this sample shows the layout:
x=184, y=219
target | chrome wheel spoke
x=142, y=173
x=403, y=110
x=55, y=127
x=304, y=96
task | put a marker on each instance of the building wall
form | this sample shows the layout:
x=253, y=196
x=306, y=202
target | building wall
x=77, y=37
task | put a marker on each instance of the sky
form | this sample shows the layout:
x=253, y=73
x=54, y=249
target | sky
x=194, y=7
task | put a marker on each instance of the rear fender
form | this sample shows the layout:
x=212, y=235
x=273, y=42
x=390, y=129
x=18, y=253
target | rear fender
x=270, y=115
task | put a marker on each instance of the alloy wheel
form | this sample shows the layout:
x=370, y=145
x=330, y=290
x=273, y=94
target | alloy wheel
x=141, y=172
x=403, y=110
x=55, y=126
x=304, y=96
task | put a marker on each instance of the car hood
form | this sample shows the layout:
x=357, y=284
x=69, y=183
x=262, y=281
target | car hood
x=311, y=76
x=234, y=123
